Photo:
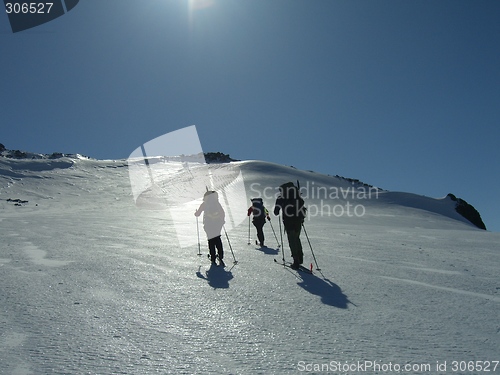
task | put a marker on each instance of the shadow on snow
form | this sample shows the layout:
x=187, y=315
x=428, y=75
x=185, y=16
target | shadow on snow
x=268, y=250
x=217, y=277
x=330, y=293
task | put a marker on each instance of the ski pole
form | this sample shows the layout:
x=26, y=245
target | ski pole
x=317, y=267
x=274, y=234
x=248, y=229
x=198, y=232
x=281, y=235
x=230, y=247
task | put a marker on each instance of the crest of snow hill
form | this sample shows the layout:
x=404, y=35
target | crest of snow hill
x=461, y=207
x=17, y=154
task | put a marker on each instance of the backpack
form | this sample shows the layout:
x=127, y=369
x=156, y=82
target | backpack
x=293, y=204
x=212, y=208
x=259, y=211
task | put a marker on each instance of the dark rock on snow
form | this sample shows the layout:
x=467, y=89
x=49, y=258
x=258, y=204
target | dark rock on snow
x=468, y=211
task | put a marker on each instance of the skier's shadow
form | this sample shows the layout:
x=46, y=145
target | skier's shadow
x=330, y=293
x=268, y=250
x=216, y=276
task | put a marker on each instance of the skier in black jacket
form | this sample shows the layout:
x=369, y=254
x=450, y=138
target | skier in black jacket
x=293, y=211
x=260, y=214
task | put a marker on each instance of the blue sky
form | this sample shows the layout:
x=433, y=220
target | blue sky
x=404, y=95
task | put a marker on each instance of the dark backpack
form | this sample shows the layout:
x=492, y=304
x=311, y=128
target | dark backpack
x=293, y=204
x=259, y=211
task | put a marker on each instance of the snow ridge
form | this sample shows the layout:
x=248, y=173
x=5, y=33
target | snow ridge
x=449, y=206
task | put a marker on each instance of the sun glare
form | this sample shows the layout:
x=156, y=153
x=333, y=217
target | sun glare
x=200, y=4
x=197, y=5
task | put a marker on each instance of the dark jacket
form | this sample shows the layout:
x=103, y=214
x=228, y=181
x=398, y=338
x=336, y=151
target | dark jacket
x=291, y=206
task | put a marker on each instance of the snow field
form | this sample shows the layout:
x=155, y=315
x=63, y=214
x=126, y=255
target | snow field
x=91, y=284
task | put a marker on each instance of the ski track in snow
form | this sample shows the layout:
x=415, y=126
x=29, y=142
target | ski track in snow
x=93, y=285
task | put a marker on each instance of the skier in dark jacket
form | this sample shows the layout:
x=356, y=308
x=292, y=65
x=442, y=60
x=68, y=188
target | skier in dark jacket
x=260, y=214
x=293, y=211
x=213, y=221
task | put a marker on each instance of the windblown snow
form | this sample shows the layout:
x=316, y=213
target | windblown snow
x=92, y=283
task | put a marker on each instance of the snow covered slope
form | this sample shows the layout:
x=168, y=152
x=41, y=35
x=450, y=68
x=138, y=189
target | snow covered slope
x=92, y=284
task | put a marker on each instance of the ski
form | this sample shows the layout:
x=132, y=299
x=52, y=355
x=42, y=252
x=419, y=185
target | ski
x=289, y=265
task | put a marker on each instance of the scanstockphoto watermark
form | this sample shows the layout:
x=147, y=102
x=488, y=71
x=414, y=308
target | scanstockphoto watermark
x=325, y=200
x=169, y=173
x=363, y=367
x=26, y=14
x=439, y=367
